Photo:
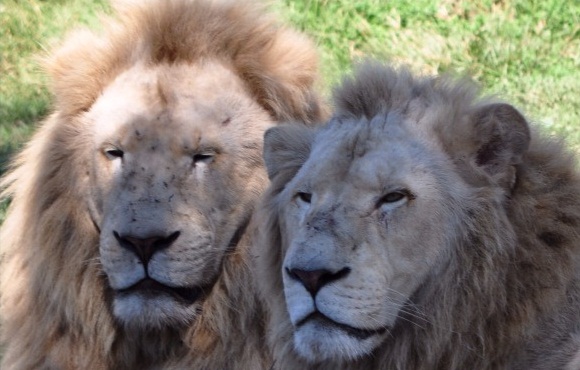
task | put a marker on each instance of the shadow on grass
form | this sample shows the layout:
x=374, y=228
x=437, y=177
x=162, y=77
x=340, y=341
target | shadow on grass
x=10, y=148
x=5, y=155
x=11, y=141
x=6, y=152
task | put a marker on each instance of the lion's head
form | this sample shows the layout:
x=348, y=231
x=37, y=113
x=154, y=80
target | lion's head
x=389, y=238
x=143, y=181
x=175, y=170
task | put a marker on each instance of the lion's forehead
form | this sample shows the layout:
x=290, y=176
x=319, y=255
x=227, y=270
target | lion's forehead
x=175, y=106
x=350, y=166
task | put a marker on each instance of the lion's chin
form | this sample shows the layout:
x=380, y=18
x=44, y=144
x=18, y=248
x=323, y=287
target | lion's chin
x=318, y=338
x=143, y=310
x=150, y=304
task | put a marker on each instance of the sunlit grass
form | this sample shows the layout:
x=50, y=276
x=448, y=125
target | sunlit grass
x=525, y=51
x=28, y=28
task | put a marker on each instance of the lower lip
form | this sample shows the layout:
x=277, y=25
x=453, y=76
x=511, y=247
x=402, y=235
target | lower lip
x=152, y=288
x=350, y=330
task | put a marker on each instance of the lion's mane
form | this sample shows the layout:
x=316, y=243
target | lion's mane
x=54, y=302
x=509, y=295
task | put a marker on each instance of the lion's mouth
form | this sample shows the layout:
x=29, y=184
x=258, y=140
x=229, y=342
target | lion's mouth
x=152, y=288
x=358, y=333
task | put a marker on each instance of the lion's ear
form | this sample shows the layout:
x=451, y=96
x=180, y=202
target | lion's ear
x=286, y=148
x=502, y=136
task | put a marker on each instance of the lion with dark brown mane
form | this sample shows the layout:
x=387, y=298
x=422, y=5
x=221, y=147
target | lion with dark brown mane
x=125, y=243
x=421, y=228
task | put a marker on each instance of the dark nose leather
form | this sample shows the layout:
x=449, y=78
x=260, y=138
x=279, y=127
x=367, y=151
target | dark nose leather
x=313, y=280
x=145, y=248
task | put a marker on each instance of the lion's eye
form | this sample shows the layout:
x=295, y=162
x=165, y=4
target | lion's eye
x=305, y=197
x=393, y=197
x=114, y=153
x=202, y=158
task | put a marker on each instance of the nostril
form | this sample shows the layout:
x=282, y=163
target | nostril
x=144, y=248
x=123, y=242
x=313, y=280
x=164, y=242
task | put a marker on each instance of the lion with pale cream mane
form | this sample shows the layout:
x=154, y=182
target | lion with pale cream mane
x=421, y=228
x=125, y=243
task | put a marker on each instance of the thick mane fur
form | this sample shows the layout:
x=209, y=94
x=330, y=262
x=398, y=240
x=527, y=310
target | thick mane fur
x=509, y=294
x=54, y=302
x=271, y=59
x=377, y=90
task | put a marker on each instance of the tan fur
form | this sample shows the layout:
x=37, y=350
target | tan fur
x=432, y=229
x=185, y=89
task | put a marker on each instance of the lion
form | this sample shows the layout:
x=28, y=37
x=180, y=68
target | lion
x=423, y=227
x=126, y=241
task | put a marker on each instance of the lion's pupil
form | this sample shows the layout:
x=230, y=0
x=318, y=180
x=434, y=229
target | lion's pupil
x=115, y=153
x=305, y=197
x=393, y=197
x=201, y=157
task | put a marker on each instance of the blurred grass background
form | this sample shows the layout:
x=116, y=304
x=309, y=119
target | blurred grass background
x=525, y=51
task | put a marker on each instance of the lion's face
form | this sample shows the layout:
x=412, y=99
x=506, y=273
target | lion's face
x=176, y=169
x=364, y=223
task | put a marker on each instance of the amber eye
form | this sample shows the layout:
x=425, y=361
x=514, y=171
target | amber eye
x=202, y=158
x=114, y=153
x=392, y=197
x=305, y=197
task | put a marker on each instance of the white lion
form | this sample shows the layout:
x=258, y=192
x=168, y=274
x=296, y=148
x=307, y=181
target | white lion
x=125, y=244
x=421, y=228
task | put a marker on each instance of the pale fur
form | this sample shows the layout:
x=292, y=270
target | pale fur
x=163, y=79
x=476, y=268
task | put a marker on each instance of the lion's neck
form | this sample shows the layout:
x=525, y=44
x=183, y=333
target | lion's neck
x=229, y=334
x=146, y=349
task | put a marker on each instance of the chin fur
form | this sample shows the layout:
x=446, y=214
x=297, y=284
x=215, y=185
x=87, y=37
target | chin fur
x=151, y=313
x=317, y=342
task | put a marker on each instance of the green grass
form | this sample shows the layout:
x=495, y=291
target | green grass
x=28, y=27
x=526, y=51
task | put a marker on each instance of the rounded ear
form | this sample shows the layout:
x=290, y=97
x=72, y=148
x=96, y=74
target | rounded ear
x=286, y=148
x=502, y=136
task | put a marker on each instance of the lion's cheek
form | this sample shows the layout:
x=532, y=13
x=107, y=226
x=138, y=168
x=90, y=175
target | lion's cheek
x=190, y=263
x=299, y=303
x=121, y=268
x=365, y=299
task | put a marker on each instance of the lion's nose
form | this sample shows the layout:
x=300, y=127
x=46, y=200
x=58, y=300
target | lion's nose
x=144, y=248
x=313, y=280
